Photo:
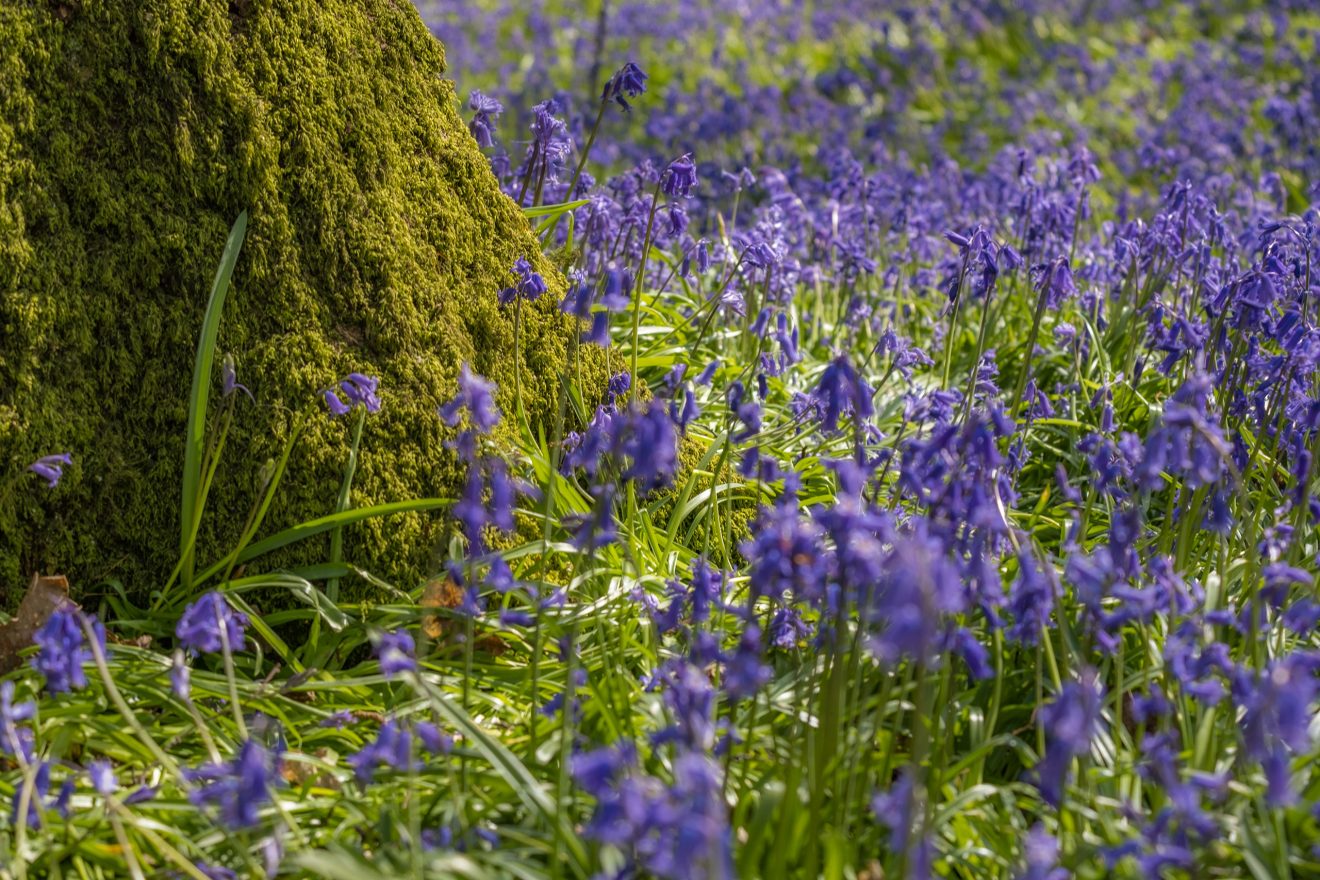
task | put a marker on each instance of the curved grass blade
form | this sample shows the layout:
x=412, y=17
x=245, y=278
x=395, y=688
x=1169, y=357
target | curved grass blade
x=313, y=527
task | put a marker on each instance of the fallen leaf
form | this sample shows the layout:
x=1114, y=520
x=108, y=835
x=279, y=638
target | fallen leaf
x=442, y=594
x=439, y=592
x=43, y=597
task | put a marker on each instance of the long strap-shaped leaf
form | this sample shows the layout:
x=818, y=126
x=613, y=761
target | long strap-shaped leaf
x=507, y=765
x=194, y=447
x=311, y=527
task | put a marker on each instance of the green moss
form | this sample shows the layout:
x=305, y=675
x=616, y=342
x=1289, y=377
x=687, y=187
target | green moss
x=131, y=136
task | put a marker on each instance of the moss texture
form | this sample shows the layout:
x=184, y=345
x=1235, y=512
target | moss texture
x=131, y=136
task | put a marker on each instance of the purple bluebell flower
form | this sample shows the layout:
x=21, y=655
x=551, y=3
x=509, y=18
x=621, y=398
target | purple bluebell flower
x=1042, y=856
x=529, y=285
x=141, y=795
x=180, y=677
x=617, y=386
x=102, y=775
x=238, y=788
x=61, y=803
x=616, y=294
x=898, y=810
x=397, y=653
x=841, y=391
x=512, y=617
x=336, y=406
x=63, y=650
x=229, y=384
x=337, y=720
x=1055, y=282
x=675, y=831
x=708, y=373
x=360, y=390
x=40, y=789
x=1071, y=721
x=477, y=396
x=486, y=110
x=744, y=672
x=680, y=177
x=787, y=557
x=200, y=625
x=788, y=629
x=51, y=467
x=502, y=494
x=432, y=738
x=646, y=438
x=627, y=82
x=15, y=740
x=1031, y=599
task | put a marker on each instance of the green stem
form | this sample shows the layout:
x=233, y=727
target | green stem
x=343, y=504
x=633, y=389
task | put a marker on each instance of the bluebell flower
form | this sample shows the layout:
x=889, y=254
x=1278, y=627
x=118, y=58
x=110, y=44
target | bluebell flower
x=229, y=384
x=102, y=776
x=1071, y=721
x=708, y=373
x=337, y=720
x=238, y=788
x=63, y=650
x=529, y=284
x=788, y=629
x=687, y=414
x=51, y=467
x=646, y=438
x=200, y=625
x=336, y=406
x=360, y=390
x=744, y=672
x=842, y=391
x=397, y=653
x=180, y=677
x=617, y=386
x=477, y=396
x=40, y=789
x=15, y=740
x=627, y=82
x=432, y=738
x=511, y=617
x=486, y=111
x=787, y=557
x=680, y=177
x=1042, y=856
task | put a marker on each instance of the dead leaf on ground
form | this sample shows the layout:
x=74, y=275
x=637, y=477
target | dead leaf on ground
x=439, y=592
x=443, y=595
x=43, y=597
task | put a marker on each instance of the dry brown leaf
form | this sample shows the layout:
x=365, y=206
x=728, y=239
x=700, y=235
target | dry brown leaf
x=439, y=592
x=44, y=595
x=302, y=772
x=443, y=594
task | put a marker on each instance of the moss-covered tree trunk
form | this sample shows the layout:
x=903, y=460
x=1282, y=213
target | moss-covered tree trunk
x=131, y=136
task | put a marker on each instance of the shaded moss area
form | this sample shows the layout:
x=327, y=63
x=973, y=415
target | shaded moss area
x=131, y=136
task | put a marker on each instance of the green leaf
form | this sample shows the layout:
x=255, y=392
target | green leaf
x=194, y=447
x=313, y=527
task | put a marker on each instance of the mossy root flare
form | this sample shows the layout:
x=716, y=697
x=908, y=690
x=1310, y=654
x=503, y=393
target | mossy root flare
x=131, y=136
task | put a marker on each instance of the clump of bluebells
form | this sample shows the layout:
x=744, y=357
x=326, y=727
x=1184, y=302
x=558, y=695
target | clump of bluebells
x=931, y=490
